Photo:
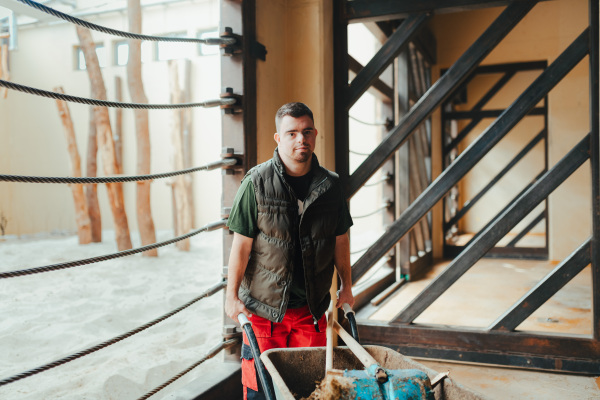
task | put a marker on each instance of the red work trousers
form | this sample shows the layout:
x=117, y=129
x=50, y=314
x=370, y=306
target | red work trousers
x=296, y=330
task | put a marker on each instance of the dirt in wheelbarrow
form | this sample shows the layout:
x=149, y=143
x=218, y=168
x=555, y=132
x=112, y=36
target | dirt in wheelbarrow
x=332, y=387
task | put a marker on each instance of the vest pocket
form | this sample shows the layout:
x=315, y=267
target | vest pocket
x=266, y=287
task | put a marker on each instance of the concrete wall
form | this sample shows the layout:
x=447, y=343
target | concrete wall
x=32, y=139
x=542, y=35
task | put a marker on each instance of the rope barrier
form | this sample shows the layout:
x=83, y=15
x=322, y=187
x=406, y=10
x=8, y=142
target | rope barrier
x=368, y=123
x=54, y=267
x=105, y=103
x=359, y=153
x=214, y=289
x=128, y=35
x=121, y=179
x=383, y=207
x=360, y=251
x=115, y=178
x=213, y=352
x=384, y=178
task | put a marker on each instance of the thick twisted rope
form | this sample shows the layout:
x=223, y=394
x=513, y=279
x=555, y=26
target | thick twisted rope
x=212, y=352
x=105, y=103
x=129, y=35
x=86, y=261
x=367, y=123
x=383, y=207
x=114, y=179
x=214, y=289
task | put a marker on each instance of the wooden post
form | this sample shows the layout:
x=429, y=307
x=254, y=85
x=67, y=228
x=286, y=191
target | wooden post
x=105, y=140
x=84, y=229
x=188, y=140
x=182, y=204
x=91, y=191
x=118, y=135
x=136, y=90
x=4, y=71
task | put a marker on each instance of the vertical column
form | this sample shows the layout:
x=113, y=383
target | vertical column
x=340, y=87
x=340, y=107
x=238, y=125
x=388, y=171
x=402, y=177
x=595, y=155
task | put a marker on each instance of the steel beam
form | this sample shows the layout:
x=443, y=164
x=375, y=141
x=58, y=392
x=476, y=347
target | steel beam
x=383, y=10
x=340, y=88
x=496, y=231
x=518, y=253
x=527, y=229
x=379, y=88
x=439, y=92
x=483, y=101
x=384, y=57
x=545, y=289
x=572, y=353
x=508, y=71
x=483, y=144
x=470, y=203
x=401, y=161
x=595, y=165
x=525, y=189
x=481, y=114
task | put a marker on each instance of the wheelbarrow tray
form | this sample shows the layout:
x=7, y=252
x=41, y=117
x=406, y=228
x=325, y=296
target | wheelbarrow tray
x=297, y=371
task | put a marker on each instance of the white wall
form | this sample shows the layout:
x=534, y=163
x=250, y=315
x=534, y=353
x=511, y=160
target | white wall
x=32, y=139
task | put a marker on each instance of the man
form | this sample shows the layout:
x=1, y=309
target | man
x=290, y=221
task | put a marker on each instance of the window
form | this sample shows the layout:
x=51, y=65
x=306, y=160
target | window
x=173, y=50
x=80, y=59
x=208, y=50
x=121, y=52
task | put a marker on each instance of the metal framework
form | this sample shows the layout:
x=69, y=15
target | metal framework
x=238, y=124
x=499, y=343
x=451, y=141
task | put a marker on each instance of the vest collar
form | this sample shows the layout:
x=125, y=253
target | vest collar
x=280, y=168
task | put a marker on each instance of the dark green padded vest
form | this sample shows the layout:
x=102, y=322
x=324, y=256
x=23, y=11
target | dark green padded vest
x=266, y=283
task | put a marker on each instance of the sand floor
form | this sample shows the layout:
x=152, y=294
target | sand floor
x=51, y=315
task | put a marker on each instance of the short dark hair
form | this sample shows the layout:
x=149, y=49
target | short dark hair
x=295, y=110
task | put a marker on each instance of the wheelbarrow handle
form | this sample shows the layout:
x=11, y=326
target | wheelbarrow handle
x=243, y=320
x=350, y=316
x=263, y=375
x=347, y=309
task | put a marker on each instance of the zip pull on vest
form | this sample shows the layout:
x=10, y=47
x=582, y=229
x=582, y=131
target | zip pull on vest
x=316, y=324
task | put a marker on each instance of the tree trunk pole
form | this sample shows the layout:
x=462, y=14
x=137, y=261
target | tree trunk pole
x=136, y=90
x=182, y=200
x=82, y=217
x=105, y=140
x=4, y=71
x=91, y=191
x=118, y=136
x=188, y=143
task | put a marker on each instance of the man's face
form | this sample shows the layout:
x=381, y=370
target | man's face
x=296, y=138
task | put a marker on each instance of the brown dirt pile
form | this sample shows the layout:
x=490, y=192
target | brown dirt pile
x=333, y=387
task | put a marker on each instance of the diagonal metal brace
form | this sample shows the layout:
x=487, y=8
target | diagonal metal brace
x=475, y=152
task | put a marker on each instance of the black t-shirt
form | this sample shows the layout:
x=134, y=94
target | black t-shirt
x=300, y=186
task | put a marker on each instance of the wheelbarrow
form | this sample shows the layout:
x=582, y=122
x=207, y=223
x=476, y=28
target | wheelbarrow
x=296, y=372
